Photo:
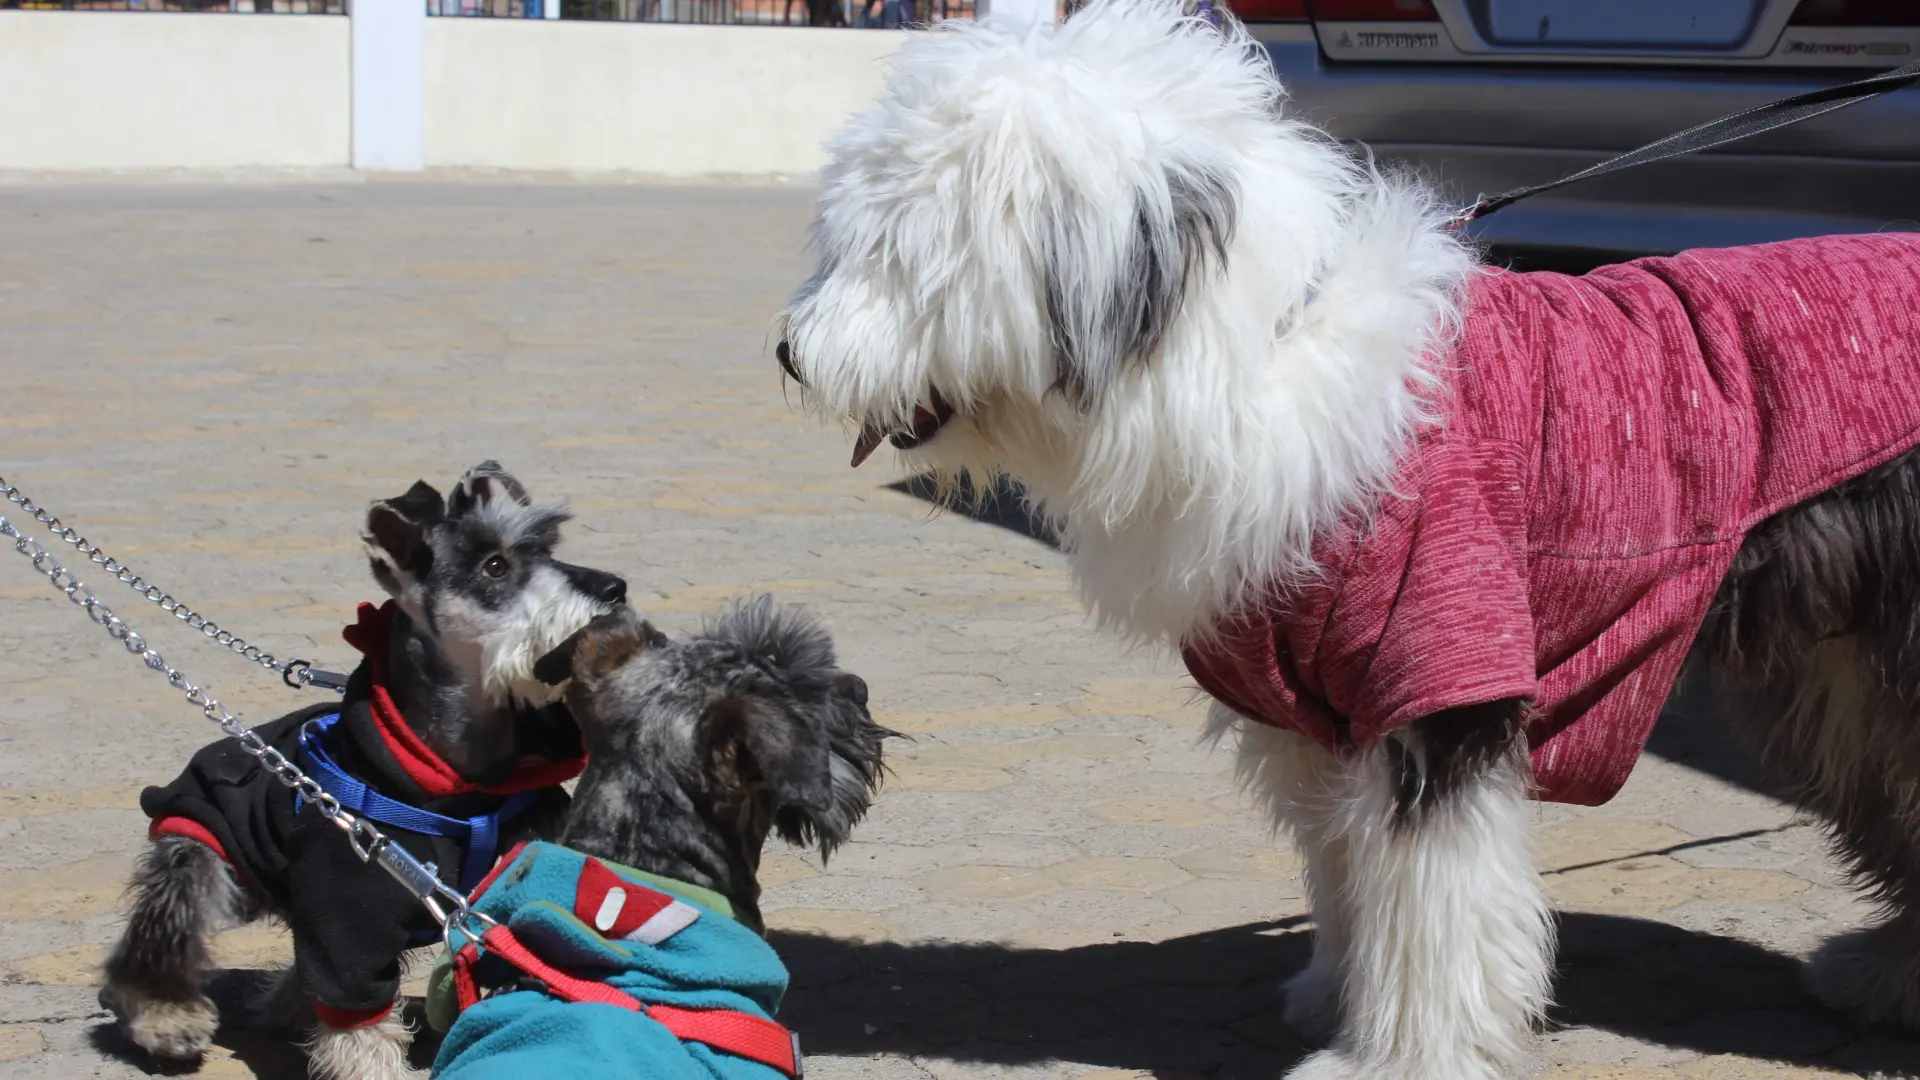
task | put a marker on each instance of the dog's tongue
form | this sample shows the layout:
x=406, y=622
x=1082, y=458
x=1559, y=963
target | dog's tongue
x=870, y=438
x=925, y=424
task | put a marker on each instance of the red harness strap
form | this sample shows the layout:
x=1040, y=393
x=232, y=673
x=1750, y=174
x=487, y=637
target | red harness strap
x=737, y=1033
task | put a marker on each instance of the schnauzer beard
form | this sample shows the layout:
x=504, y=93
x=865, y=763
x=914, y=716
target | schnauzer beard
x=503, y=645
x=1197, y=332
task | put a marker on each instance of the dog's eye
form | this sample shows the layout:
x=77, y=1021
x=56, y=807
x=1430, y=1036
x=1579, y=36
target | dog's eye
x=494, y=567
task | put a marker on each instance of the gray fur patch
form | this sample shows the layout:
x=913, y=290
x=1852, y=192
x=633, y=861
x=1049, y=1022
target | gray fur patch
x=1098, y=327
x=1812, y=652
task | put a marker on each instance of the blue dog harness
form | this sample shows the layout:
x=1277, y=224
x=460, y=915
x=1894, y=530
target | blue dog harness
x=480, y=835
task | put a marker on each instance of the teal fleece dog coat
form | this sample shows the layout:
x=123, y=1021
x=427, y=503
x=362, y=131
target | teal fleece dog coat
x=607, y=972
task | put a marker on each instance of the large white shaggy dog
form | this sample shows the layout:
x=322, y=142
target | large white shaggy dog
x=1436, y=538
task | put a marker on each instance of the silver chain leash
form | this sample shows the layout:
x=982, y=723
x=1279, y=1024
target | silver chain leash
x=444, y=903
x=295, y=673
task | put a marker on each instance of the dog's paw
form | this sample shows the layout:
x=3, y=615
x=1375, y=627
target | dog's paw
x=375, y=1052
x=1872, y=973
x=1313, y=1002
x=1343, y=1065
x=170, y=1030
x=1334, y=1065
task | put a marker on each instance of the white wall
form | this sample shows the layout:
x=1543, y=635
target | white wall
x=675, y=100
x=127, y=90
x=119, y=90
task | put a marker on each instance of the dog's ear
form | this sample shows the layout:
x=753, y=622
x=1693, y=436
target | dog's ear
x=851, y=770
x=481, y=485
x=599, y=647
x=814, y=745
x=1113, y=286
x=788, y=747
x=396, y=537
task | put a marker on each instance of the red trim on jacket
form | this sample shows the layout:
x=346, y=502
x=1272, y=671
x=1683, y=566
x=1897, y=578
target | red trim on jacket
x=189, y=828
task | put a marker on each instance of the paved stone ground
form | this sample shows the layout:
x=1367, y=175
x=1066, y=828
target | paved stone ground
x=1057, y=882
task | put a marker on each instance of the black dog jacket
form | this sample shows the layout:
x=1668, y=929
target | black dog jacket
x=350, y=921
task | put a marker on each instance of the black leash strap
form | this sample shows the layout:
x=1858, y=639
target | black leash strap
x=1740, y=125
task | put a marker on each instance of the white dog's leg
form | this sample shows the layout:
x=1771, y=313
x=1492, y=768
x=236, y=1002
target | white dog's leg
x=1300, y=785
x=1449, y=938
x=375, y=1052
x=1313, y=996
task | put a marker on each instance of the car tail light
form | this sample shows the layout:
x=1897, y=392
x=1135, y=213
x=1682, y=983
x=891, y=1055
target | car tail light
x=1269, y=10
x=1856, y=13
x=1372, y=10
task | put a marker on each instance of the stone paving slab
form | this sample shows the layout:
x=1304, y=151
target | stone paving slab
x=212, y=382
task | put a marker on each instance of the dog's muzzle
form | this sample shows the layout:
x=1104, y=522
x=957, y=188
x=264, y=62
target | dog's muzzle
x=609, y=589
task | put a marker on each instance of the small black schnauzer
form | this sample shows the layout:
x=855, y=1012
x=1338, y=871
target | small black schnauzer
x=444, y=715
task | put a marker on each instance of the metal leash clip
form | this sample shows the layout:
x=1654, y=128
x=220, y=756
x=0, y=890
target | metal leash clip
x=1467, y=215
x=295, y=673
x=441, y=900
x=299, y=673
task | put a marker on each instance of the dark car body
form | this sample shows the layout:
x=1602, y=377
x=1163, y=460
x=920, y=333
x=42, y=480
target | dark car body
x=1488, y=95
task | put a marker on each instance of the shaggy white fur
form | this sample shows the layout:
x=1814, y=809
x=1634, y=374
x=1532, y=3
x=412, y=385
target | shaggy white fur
x=1433, y=941
x=1007, y=196
x=1098, y=257
x=375, y=1052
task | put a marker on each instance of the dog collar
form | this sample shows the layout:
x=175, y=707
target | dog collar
x=435, y=777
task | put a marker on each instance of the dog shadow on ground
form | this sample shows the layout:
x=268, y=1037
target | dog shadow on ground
x=1003, y=506
x=1208, y=1004
x=1204, y=1005
x=1690, y=733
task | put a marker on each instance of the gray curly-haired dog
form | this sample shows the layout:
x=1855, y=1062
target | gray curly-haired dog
x=698, y=750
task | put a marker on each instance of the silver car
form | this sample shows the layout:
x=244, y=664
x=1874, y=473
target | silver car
x=1490, y=95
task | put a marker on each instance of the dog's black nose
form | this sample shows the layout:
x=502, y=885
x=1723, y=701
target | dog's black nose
x=602, y=586
x=784, y=353
x=613, y=590
x=853, y=686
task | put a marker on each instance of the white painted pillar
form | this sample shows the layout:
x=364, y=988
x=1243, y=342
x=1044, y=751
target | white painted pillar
x=550, y=9
x=389, y=85
x=1028, y=12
